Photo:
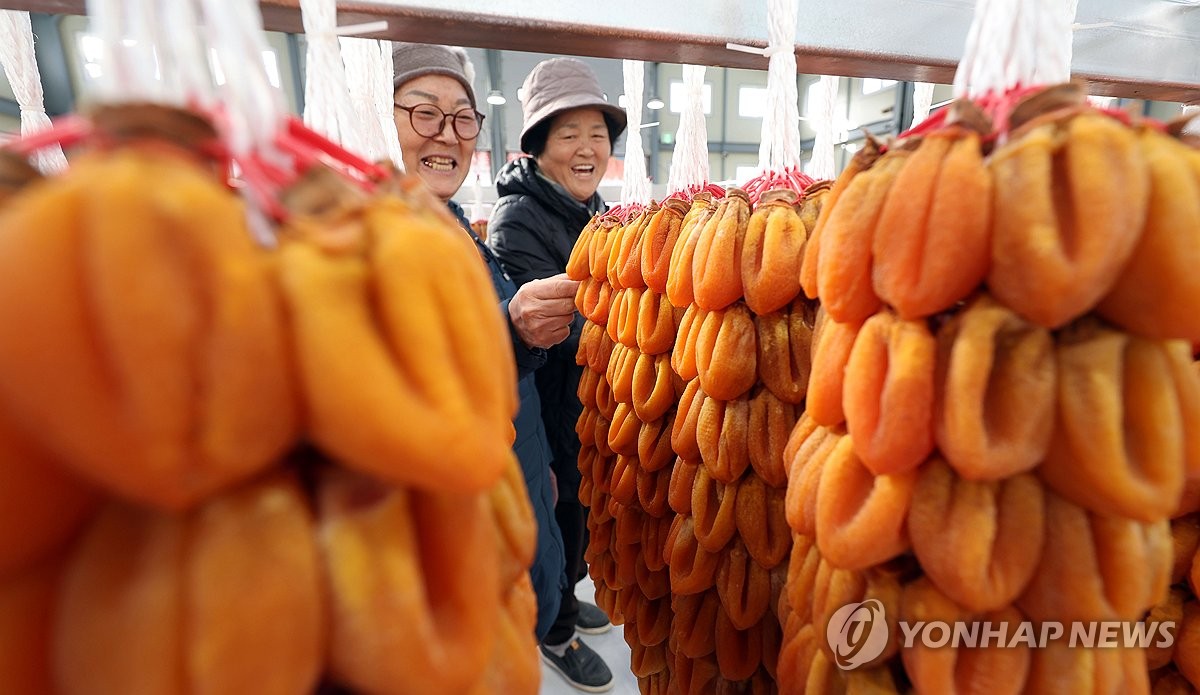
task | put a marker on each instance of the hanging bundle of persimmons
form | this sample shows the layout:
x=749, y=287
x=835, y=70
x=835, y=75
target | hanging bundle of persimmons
x=1004, y=411
x=628, y=394
x=233, y=468
x=743, y=346
x=697, y=347
x=695, y=377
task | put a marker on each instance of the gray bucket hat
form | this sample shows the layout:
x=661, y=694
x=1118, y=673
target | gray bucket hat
x=562, y=84
x=413, y=60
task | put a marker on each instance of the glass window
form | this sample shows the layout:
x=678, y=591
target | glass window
x=678, y=97
x=271, y=63
x=744, y=174
x=752, y=102
x=871, y=85
x=811, y=97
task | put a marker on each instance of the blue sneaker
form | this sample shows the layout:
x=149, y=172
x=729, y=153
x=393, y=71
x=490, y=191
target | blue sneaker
x=592, y=620
x=581, y=667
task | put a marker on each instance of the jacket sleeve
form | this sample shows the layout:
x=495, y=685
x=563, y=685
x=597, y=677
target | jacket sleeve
x=522, y=243
x=529, y=359
x=525, y=251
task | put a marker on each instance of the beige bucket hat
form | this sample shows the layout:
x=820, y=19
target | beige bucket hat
x=562, y=84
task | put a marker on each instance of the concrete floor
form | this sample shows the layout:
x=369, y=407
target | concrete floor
x=611, y=645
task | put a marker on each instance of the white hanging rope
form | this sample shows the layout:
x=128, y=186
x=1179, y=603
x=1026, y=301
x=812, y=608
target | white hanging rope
x=1054, y=40
x=922, y=101
x=384, y=97
x=635, y=188
x=182, y=56
x=1072, y=10
x=128, y=61
x=253, y=111
x=998, y=38
x=1192, y=128
x=104, y=22
x=364, y=77
x=21, y=68
x=1016, y=42
x=980, y=69
x=141, y=49
x=779, y=147
x=328, y=108
x=823, y=164
x=689, y=161
x=254, y=107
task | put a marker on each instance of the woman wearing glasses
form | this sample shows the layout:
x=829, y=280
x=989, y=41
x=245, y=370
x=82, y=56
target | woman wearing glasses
x=437, y=122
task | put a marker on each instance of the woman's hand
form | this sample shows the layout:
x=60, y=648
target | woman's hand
x=542, y=310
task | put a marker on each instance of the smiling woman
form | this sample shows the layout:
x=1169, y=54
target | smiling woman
x=576, y=152
x=436, y=118
x=437, y=123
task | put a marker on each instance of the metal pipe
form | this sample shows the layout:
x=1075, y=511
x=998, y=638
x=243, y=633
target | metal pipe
x=295, y=54
x=496, y=113
x=655, y=139
x=52, y=60
x=724, y=115
x=903, y=110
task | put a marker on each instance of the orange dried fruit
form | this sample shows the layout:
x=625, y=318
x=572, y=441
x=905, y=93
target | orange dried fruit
x=861, y=517
x=717, y=263
x=653, y=387
x=658, y=242
x=1118, y=444
x=683, y=482
x=683, y=356
x=153, y=355
x=989, y=666
x=785, y=340
x=578, y=265
x=687, y=421
x=827, y=199
x=744, y=587
x=1071, y=198
x=656, y=327
x=695, y=623
x=722, y=434
x=847, y=236
x=726, y=352
x=27, y=598
x=42, y=504
x=996, y=392
x=157, y=603
x=932, y=243
x=1097, y=567
x=888, y=393
x=679, y=278
x=713, y=511
x=772, y=251
x=762, y=521
x=1156, y=293
x=771, y=421
x=832, y=344
x=979, y=542
x=442, y=550
x=654, y=443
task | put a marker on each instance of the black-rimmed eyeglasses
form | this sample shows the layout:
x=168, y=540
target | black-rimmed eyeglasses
x=428, y=120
